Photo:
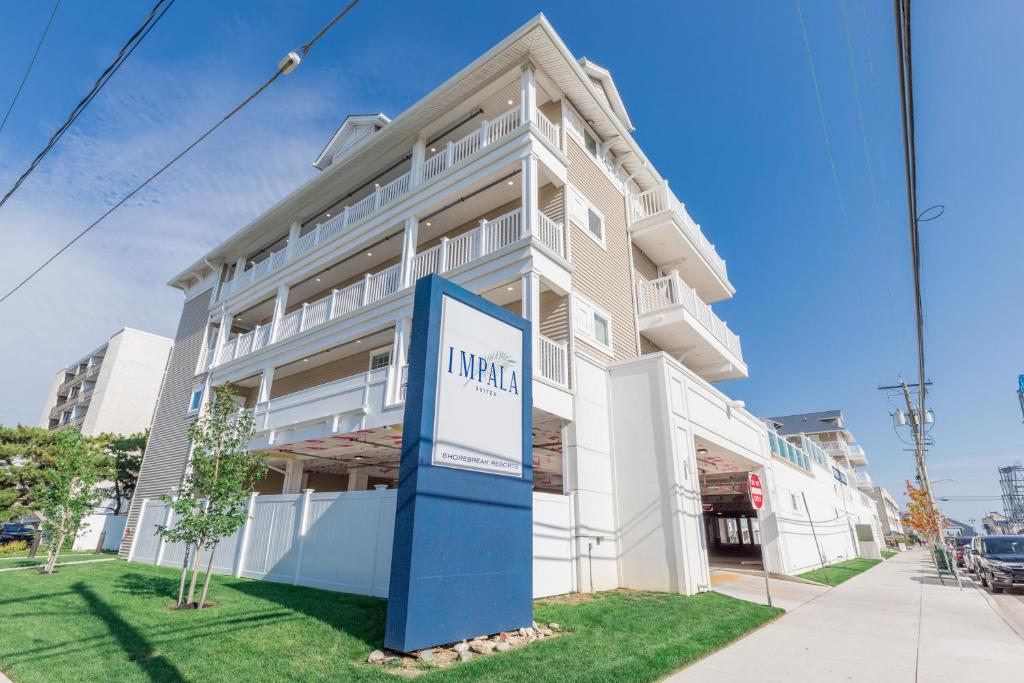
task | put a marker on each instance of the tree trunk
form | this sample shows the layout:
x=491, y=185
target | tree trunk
x=54, y=552
x=184, y=573
x=206, y=579
x=195, y=575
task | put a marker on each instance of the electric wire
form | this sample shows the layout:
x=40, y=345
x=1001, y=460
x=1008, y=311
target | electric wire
x=127, y=49
x=31, y=63
x=305, y=49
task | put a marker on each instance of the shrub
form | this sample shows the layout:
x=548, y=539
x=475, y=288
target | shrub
x=14, y=548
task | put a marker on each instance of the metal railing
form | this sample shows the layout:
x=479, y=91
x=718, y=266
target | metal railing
x=668, y=291
x=456, y=151
x=659, y=199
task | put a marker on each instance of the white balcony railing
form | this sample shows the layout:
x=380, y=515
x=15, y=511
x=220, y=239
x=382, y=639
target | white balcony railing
x=553, y=361
x=659, y=199
x=549, y=130
x=487, y=237
x=672, y=291
x=455, y=152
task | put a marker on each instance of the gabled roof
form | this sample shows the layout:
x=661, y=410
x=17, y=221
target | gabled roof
x=604, y=78
x=342, y=135
x=809, y=423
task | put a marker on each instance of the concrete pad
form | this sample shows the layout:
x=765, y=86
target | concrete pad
x=895, y=622
x=785, y=594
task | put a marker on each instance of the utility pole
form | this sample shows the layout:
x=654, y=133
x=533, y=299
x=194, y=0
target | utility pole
x=916, y=418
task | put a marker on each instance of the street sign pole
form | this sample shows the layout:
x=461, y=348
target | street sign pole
x=756, y=493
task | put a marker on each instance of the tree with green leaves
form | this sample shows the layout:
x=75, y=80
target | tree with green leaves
x=211, y=504
x=25, y=454
x=125, y=454
x=70, y=491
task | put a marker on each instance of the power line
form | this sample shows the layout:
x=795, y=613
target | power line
x=127, y=49
x=287, y=65
x=32, y=62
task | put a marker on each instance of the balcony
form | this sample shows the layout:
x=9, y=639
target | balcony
x=851, y=451
x=449, y=254
x=672, y=315
x=663, y=229
x=863, y=480
x=453, y=154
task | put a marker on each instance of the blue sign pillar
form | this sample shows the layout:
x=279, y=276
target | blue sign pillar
x=462, y=560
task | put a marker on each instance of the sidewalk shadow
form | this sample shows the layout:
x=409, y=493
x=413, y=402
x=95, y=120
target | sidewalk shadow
x=136, y=646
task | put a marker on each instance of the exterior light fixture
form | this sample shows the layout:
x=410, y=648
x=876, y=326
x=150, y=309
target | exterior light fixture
x=433, y=149
x=369, y=253
x=305, y=360
x=509, y=103
x=318, y=279
x=359, y=341
x=510, y=182
x=357, y=457
x=376, y=184
x=427, y=224
x=510, y=288
x=702, y=450
x=328, y=215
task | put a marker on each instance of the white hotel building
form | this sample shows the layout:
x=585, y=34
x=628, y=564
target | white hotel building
x=518, y=179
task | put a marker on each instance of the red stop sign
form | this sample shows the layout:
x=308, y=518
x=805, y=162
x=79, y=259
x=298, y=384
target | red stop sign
x=756, y=492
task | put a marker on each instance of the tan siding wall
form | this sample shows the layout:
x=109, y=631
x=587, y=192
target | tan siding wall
x=554, y=316
x=603, y=275
x=270, y=484
x=552, y=110
x=166, y=456
x=643, y=266
x=551, y=201
x=321, y=374
x=647, y=346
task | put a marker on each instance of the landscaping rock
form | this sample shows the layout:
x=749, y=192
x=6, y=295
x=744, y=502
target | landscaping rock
x=503, y=646
x=546, y=632
x=376, y=657
x=481, y=647
x=426, y=655
x=465, y=655
x=461, y=647
x=554, y=627
x=392, y=661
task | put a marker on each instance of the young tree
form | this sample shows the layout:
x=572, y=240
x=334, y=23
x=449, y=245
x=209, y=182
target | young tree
x=125, y=453
x=922, y=516
x=212, y=502
x=70, y=491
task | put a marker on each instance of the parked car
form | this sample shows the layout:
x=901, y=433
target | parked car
x=969, y=558
x=999, y=561
x=959, y=552
x=12, y=531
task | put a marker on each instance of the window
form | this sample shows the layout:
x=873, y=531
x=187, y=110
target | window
x=196, y=400
x=592, y=323
x=595, y=223
x=585, y=215
x=381, y=358
x=590, y=142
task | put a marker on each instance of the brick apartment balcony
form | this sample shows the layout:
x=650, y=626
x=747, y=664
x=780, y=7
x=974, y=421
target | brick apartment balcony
x=663, y=229
x=672, y=315
x=453, y=154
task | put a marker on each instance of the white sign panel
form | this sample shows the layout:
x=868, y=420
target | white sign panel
x=478, y=418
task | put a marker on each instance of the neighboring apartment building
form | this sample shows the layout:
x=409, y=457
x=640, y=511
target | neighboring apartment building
x=112, y=389
x=821, y=499
x=519, y=179
x=888, y=508
x=997, y=524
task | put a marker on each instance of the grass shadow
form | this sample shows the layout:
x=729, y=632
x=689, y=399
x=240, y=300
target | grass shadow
x=148, y=586
x=139, y=650
x=359, y=616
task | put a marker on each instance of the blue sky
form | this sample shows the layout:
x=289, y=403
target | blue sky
x=723, y=101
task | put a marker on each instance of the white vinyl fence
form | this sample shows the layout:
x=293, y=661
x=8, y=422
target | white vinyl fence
x=341, y=541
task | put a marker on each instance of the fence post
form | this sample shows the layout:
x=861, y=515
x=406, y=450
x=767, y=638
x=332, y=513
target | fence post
x=243, y=544
x=135, y=532
x=163, y=543
x=482, y=238
x=442, y=256
x=303, y=523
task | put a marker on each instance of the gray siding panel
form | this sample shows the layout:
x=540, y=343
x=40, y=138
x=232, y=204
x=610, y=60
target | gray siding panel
x=163, y=464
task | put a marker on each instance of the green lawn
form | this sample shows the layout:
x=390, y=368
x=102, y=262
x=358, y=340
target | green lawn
x=886, y=554
x=40, y=558
x=109, y=621
x=835, y=574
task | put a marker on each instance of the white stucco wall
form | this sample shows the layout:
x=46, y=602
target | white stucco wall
x=128, y=384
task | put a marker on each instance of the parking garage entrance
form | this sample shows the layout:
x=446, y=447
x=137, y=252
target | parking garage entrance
x=731, y=524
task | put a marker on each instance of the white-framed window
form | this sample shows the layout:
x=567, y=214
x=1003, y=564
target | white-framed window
x=592, y=322
x=196, y=399
x=380, y=358
x=585, y=215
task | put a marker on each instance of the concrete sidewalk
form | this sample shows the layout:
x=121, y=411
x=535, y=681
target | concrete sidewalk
x=785, y=593
x=895, y=622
